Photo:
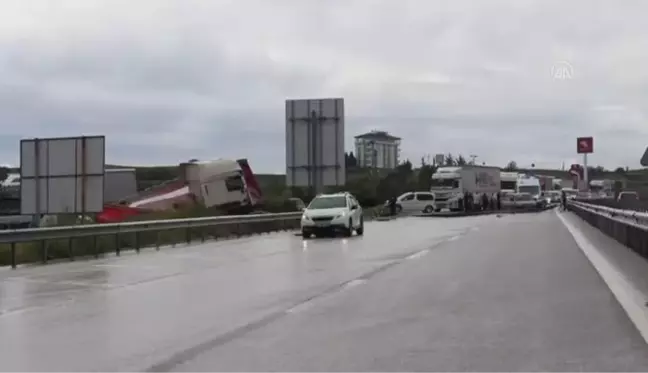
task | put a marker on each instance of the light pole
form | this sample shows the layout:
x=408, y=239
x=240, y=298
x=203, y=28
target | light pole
x=473, y=157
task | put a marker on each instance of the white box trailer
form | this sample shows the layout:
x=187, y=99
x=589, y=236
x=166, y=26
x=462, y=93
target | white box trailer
x=450, y=185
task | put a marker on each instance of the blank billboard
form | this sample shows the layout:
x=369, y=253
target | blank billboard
x=62, y=175
x=315, y=143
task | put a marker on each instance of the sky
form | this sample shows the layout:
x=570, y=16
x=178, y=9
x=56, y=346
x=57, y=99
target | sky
x=170, y=80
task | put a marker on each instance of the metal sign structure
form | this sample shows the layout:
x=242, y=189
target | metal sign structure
x=585, y=146
x=315, y=143
x=439, y=159
x=644, y=159
x=62, y=175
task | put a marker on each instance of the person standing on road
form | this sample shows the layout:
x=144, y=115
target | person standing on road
x=563, y=200
x=392, y=206
x=498, y=195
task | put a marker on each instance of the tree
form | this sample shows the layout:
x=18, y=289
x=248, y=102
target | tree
x=511, y=166
x=350, y=160
x=4, y=172
x=449, y=160
x=619, y=170
x=424, y=181
x=461, y=161
x=353, y=160
x=404, y=167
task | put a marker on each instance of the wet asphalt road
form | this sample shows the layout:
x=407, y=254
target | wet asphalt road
x=480, y=293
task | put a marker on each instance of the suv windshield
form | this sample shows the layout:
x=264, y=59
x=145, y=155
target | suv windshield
x=327, y=203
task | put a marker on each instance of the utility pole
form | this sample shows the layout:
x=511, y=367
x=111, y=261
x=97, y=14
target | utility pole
x=472, y=159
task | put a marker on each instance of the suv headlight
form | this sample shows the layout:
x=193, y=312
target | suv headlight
x=341, y=215
x=305, y=217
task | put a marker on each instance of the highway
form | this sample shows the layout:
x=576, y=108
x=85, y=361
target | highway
x=483, y=293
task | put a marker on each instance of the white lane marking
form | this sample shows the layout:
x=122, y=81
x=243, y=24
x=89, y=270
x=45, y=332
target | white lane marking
x=126, y=266
x=453, y=238
x=354, y=283
x=300, y=307
x=418, y=254
x=630, y=299
x=61, y=282
x=311, y=303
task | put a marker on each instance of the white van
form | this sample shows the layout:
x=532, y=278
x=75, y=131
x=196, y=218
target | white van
x=414, y=202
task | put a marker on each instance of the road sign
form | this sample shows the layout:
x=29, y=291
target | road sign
x=62, y=175
x=438, y=159
x=585, y=145
x=644, y=159
x=315, y=143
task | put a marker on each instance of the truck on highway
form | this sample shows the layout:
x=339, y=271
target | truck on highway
x=508, y=181
x=602, y=188
x=453, y=187
x=531, y=185
x=546, y=182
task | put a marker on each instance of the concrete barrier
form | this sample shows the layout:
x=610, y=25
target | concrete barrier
x=633, y=234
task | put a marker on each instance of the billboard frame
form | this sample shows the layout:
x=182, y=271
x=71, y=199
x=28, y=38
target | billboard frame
x=80, y=204
x=590, y=145
x=323, y=162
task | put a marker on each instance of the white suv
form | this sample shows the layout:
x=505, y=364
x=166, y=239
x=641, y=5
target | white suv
x=330, y=213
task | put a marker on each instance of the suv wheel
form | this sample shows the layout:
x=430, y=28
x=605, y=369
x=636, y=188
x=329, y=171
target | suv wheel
x=428, y=209
x=360, y=230
x=348, y=230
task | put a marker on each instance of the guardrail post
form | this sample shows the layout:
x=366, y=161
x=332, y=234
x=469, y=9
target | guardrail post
x=188, y=235
x=157, y=240
x=70, y=249
x=13, y=255
x=137, y=245
x=202, y=235
x=117, y=250
x=44, y=253
x=95, y=247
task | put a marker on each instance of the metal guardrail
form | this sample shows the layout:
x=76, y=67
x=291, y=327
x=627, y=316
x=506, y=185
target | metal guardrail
x=631, y=215
x=628, y=227
x=238, y=225
x=623, y=204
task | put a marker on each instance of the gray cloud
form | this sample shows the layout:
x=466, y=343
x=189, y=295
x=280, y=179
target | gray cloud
x=168, y=80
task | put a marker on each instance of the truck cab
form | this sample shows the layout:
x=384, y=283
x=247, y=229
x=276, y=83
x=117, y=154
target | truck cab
x=447, y=188
x=531, y=185
x=451, y=185
x=508, y=182
x=602, y=188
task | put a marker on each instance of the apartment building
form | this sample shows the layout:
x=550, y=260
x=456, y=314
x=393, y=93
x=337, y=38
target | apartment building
x=377, y=149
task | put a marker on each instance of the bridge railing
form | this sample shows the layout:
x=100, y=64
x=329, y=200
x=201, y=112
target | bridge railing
x=628, y=227
x=136, y=235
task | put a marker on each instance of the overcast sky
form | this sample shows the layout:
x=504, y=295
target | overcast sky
x=167, y=80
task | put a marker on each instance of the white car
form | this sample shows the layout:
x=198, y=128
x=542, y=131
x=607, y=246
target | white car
x=413, y=202
x=331, y=213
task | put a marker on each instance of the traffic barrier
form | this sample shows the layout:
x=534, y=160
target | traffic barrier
x=625, y=226
x=94, y=239
x=635, y=205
